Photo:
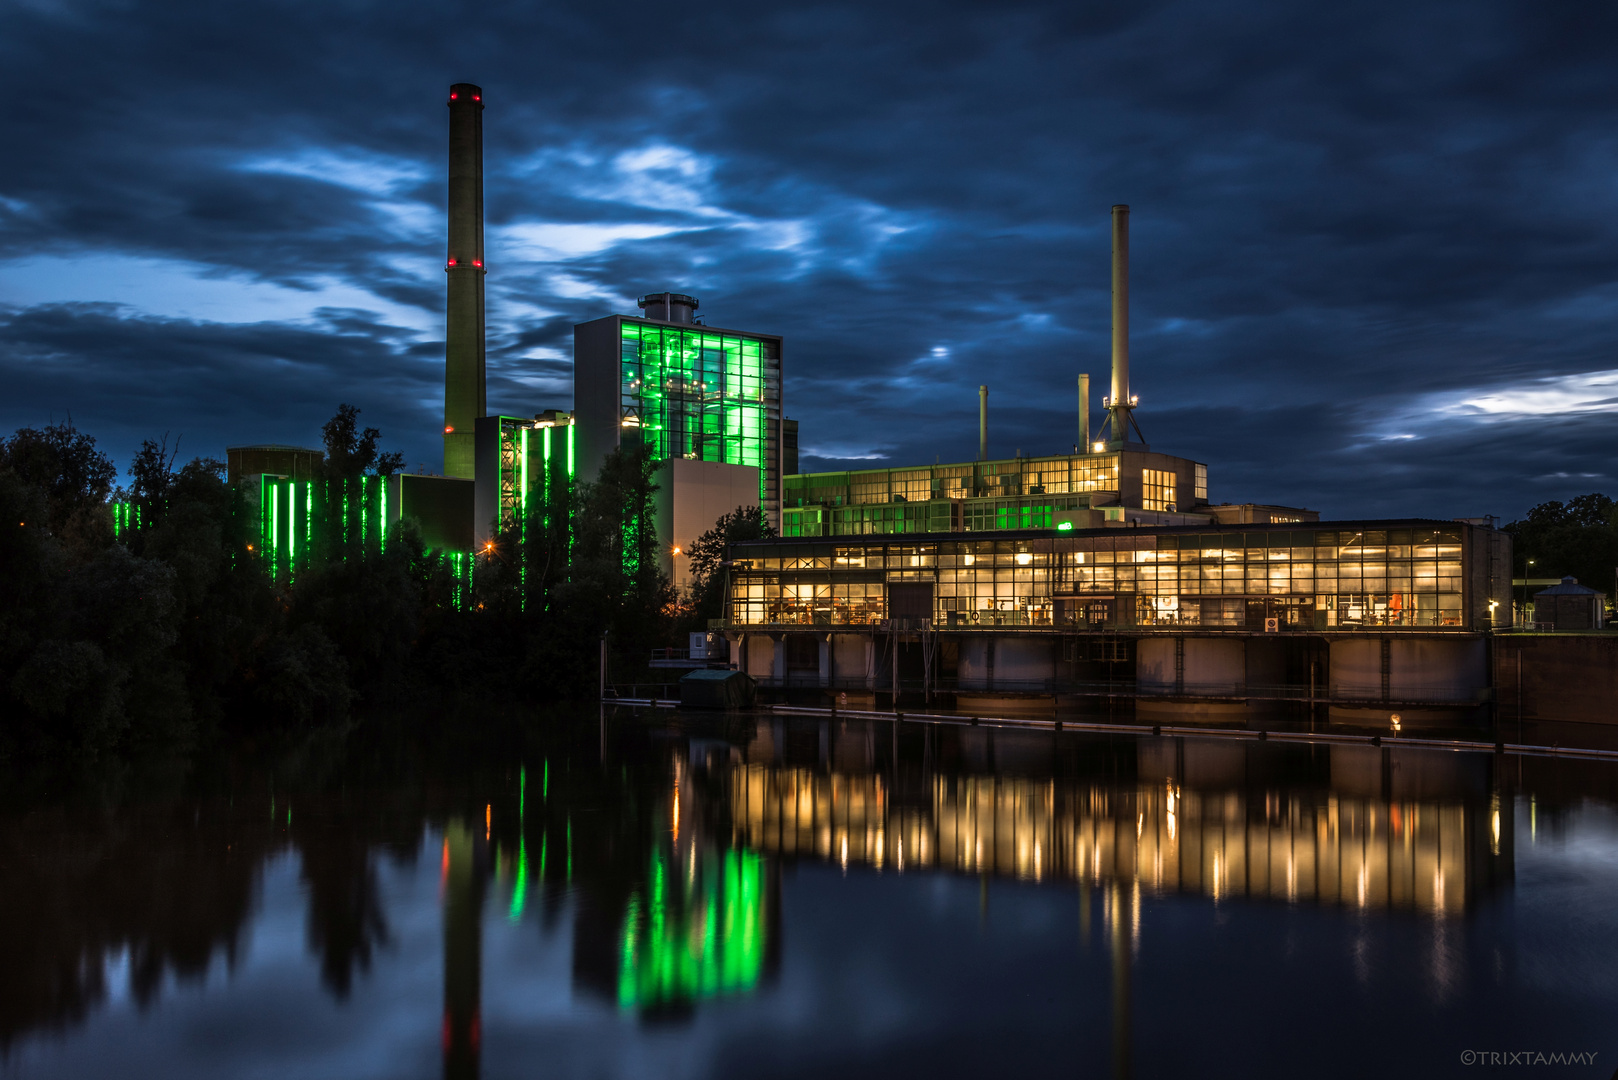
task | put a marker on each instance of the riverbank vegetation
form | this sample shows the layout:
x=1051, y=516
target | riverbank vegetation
x=1578, y=538
x=174, y=630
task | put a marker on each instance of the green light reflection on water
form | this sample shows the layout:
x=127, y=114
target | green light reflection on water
x=702, y=941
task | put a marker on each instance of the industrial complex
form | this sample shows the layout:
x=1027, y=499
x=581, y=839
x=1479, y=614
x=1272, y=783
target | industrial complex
x=1027, y=579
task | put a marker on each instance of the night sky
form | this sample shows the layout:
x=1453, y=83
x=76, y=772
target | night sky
x=1375, y=246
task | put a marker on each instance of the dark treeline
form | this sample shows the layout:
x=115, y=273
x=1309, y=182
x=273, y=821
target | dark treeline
x=175, y=629
x=1578, y=538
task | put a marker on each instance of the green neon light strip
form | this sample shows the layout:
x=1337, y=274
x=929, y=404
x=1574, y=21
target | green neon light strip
x=523, y=497
x=570, y=451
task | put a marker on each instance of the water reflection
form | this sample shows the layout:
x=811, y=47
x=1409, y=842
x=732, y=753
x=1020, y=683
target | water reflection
x=652, y=858
x=1388, y=827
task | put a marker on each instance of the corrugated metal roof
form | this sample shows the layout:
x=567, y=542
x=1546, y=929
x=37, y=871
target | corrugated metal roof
x=1569, y=587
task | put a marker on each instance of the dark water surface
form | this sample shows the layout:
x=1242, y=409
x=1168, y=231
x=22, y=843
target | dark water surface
x=695, y=896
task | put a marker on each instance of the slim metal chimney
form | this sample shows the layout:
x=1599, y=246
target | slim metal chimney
x=1120, y=402
x=983, y=423
x=465, y=388
x=1084, y=414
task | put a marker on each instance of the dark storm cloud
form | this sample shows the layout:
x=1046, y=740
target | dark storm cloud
x=209, y=384
x=1349, y=221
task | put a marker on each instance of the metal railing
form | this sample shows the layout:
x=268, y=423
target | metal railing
x=642, y=692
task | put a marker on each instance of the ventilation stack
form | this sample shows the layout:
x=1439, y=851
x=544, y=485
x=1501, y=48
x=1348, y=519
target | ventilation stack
x=983, y=423
x=1120, y=403
x=465, y=387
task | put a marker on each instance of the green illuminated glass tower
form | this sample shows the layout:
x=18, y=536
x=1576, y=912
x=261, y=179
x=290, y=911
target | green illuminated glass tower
x=686, y=390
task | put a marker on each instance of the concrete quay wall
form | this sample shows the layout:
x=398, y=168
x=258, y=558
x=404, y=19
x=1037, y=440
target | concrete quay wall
x=1544, y=677
x=1557, y=678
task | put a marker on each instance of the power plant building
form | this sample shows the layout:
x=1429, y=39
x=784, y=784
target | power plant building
x=688, y=392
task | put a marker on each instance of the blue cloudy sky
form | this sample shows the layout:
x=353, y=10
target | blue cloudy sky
x=1375, y=265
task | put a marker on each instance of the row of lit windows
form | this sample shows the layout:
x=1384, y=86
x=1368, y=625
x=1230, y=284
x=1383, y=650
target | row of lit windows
x=1019, y=476
x=1006, y=603
x=1131, y=547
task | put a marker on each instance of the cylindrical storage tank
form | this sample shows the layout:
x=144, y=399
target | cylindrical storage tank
x=669, y=307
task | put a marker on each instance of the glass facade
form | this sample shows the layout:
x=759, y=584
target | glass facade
x=983, y=496
x=1399, y=576
x=709, y=395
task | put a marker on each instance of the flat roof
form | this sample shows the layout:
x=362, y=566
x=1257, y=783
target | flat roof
x=685, y=326
x=1052, y=533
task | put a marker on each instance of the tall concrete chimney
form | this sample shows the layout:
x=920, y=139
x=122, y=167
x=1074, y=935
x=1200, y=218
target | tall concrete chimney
x=1119, y=403
x=465, y=391
x=983, y=423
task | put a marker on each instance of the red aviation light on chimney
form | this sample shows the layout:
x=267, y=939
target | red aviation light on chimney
x=449, y=429
x=477, y=97
x=452, y=262
x=453, y=95
x=477, y=262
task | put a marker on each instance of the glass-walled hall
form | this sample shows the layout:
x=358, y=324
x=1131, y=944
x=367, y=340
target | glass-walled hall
x=1407, y=574
x=709, y=395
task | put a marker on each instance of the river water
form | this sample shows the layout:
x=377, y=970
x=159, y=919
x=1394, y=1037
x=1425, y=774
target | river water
x=667, y=895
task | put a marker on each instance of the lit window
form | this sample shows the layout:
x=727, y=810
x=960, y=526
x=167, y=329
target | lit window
x=1157, y=489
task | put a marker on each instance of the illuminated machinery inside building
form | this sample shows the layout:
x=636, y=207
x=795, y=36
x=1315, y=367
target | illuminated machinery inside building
x=1409, y=574
x=689, y=392
x=523, y=466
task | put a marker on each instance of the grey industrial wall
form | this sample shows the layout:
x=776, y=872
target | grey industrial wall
x=596, y=393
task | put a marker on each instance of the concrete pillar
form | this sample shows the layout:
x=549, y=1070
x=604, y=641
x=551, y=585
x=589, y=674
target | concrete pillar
x=1197, y=666
x=760, y=656
x=870, y=663
x=848, y=656
x=780, y=657
x=972, y=671
x=1023, y=664
x=827, y=661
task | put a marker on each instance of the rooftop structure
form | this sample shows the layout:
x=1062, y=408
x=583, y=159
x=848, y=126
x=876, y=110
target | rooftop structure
x=1124, y=487
x=1569, y=606
x=274, y=459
